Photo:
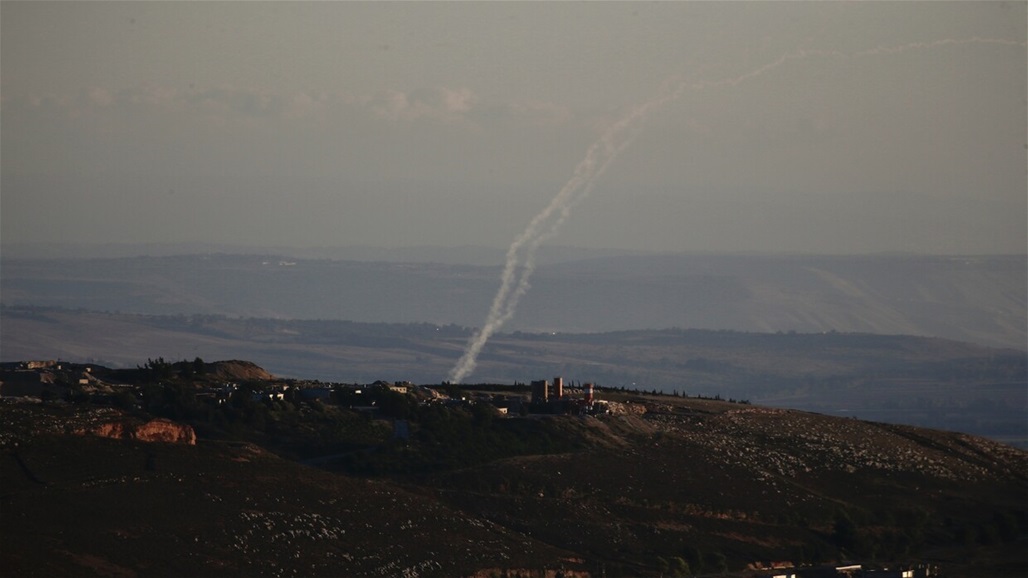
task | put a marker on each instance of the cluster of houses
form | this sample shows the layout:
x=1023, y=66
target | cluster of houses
x=298, y=391
x=555, y=398
x=546, y=398
x=37, y=378
x=785, y=570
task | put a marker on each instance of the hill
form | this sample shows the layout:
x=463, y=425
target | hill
x=660, y=486
x=901, y=379
x=978, y=299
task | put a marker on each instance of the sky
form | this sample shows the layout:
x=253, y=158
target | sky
x=823, y=127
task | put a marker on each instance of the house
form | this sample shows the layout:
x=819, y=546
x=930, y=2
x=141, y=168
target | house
x=915, y=571
x=830, y=571
x=316, y=393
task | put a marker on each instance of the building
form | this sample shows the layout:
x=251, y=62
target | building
x=540, y=392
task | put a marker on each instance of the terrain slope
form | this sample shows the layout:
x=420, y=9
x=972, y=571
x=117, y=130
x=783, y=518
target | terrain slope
x=901, y=379
x=980, y=299
x=664, y=484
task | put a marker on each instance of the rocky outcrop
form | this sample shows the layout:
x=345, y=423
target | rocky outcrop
x=530, y=573
x=627, y=408
x=157, y=430
x=235, y=370
x=162, y=430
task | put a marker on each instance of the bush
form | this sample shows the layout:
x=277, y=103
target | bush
x=678, y=567
x=715, y=562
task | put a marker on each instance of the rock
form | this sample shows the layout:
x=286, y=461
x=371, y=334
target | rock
x=235, y=370
x=162, y=430
x=157, y=430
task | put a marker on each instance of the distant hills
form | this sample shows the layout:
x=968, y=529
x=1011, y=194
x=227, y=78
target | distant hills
x=456, y=255
x=980, y=299
x=900, y=379
x=926, y=340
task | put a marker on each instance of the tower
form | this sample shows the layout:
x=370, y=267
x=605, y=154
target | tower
x=540, y=391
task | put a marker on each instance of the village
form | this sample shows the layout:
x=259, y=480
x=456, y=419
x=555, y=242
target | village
x=56, y=380
x=849, y=570
x=402, y=428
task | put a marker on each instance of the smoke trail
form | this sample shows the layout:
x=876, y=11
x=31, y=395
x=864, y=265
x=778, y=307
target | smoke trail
x=521, y=253
x=520, y=260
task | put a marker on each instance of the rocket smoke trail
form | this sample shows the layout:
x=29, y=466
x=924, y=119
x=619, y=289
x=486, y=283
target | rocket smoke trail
x=520, y=261
x=514, y=281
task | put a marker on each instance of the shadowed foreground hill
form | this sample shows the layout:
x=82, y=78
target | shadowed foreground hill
x=665, y=486
x=760, y=484
x=85, y=506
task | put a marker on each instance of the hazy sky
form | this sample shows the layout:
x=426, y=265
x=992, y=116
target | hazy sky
x=888, y=127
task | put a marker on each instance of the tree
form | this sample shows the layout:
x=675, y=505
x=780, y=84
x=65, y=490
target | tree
x=844, y=532
x=124, y=399
x=453, y=390
x=158, y=369
x=394, y=404
x=678, y=567
x=483, y=414
x=694, y=557
x=715, y=562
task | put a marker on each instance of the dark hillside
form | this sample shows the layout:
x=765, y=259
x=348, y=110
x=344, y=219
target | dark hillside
x=112, y=508
x=756, y=484
x=660, y=486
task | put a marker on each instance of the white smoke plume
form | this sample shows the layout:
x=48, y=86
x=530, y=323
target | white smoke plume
x=520, y=262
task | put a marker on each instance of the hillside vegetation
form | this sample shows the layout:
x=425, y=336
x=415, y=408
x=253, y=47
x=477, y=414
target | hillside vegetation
x=303, y=485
